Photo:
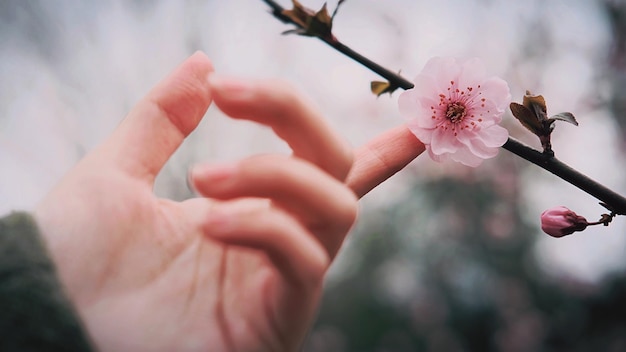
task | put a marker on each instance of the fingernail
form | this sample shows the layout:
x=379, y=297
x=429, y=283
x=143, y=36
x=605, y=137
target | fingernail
x=233, y=88
x=214, y=173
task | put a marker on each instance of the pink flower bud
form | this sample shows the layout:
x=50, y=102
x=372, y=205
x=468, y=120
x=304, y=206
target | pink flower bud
x=560, y=221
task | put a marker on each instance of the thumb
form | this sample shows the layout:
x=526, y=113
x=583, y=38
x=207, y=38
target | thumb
x=159, y=123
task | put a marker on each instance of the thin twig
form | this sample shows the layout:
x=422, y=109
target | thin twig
x=614, y=201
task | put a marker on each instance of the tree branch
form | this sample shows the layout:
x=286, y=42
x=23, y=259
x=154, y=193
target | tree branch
x=615, y=202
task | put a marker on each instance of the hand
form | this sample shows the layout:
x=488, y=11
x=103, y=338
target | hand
x=238, y=269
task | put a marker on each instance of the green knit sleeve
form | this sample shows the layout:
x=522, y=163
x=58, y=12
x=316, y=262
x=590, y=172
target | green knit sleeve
x=35, y=313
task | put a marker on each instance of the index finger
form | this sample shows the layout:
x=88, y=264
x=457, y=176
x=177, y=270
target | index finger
x=382, y=157
x=296, y=121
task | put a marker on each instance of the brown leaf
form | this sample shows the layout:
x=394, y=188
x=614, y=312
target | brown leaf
x=314, y=24
x=321, y=24
x=536, y=104
x=565, y=116
x=379, y=88
x=527, y=118
x=299, y=14
x=323, y=17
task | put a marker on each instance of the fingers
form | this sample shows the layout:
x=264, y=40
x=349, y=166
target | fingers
x=158, y=124
x=322, y=203
x=277, y=105
x=291, y=248
x=381, y=158
x=252, y=223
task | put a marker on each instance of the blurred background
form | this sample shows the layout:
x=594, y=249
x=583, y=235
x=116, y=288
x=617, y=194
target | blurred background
x=443, y=257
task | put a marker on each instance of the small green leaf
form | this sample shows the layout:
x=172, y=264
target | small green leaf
x=527, y=118
x=379, y=88
x=565, y=116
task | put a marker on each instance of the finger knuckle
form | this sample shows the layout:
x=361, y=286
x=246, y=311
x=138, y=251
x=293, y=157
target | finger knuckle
x=347, y=208
x=345, y=157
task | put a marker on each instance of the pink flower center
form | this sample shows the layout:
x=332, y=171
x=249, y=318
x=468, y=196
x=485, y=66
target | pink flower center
x=456, y=112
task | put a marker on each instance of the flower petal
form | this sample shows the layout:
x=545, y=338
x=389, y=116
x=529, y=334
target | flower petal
x=416, y=104
x=494, y=136
x=408, y=104
x=472, y=74
x=472, y=142
x=435, y=157
x=442, y=70
x=423, y=134
x=496, y=91
x=467, y=158
x=478, y=148
x=484, y=143
x=443, y=141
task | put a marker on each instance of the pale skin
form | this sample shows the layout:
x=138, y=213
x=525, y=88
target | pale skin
x=241, y=266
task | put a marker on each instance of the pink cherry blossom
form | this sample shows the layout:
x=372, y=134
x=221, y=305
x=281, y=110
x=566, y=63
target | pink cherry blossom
x=455, y=109
x=560, y=221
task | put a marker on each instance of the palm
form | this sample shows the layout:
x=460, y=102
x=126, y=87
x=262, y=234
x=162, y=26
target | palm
x=163, y=261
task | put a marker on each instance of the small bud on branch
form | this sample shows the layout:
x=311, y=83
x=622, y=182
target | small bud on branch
x=310, y=23
x=560, y=221
x=533, y=114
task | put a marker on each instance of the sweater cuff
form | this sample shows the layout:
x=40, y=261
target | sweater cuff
x=36, y=315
